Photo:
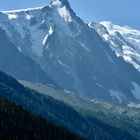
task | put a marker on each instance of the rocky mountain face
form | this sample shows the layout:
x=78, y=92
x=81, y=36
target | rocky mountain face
x=17, y=64
x=70, y=52
x=123, y=40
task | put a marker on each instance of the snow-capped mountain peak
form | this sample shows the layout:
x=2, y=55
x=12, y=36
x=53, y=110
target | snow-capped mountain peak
x=70, y=52
x=124, y=30
x=60, y=3
x=62, y=7
x=28, y=21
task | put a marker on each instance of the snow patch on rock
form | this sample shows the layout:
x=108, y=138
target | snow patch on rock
x=83, y=46
x=28, y=17
x=50, y=32
x=133, y=105
x=62, y=10
x=12, y=16
x=19, y=49
x=136, y=90
x=61, y=63
x=117, y=95
x=22, y=10
x=99, y=85
x=64, y=13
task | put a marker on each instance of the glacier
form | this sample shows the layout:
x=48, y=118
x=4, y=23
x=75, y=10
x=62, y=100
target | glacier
x=123, y=40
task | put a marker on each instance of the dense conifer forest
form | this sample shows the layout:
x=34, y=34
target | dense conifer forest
x=18, y=124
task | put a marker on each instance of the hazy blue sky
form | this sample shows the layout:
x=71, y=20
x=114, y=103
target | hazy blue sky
x=125, y=12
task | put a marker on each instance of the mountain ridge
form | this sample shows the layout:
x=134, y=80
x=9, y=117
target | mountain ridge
x=123, y=40
x=71, y=53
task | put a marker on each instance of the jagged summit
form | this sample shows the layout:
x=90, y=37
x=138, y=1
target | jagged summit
x=64, y=5
x=52, y=3
x=56, y=3
x=71, y=53
x=64, y=2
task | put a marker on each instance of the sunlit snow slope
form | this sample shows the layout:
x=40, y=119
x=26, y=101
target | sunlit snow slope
x=73, y=55
x=124, y=40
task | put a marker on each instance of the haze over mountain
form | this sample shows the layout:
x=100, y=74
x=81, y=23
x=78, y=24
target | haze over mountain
x=70, y=53
x=16, y=123
x=82, y=76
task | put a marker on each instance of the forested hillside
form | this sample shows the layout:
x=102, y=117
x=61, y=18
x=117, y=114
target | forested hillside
x=18, y=124
x=57, y=112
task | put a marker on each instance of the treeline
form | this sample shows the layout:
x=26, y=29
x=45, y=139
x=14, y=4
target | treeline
x=18, y=124
x=14, y=126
